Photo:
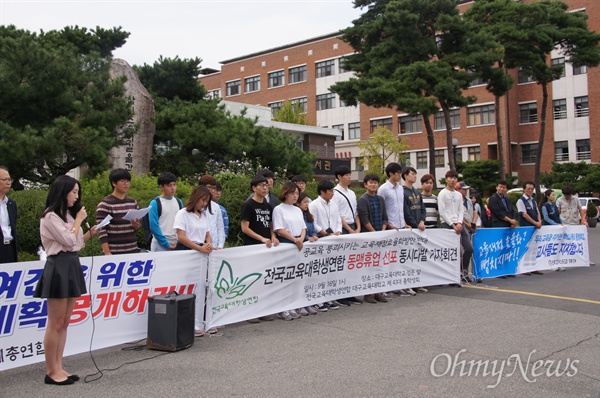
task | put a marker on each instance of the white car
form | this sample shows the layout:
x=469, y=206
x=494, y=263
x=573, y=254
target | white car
x=583, y=202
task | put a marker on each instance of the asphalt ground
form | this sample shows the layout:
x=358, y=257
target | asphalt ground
x=542, y=333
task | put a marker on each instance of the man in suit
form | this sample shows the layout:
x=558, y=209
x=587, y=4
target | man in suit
x=8, y=220
x=502, y=208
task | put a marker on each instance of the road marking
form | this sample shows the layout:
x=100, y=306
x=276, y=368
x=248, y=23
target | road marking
x=534, y=294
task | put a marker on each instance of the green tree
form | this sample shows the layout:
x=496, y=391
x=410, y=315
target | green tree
x=191, y=129
x=381, y=148
x=530, y=32
x=291, y=113
x=59, y=109
x=406, y=56
x=483, y=175
x=582, y=176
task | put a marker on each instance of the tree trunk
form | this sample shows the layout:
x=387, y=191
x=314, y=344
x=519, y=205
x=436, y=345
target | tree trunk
x=538, y=159
x=451, y=151
x=431, y=142
x=499, y=139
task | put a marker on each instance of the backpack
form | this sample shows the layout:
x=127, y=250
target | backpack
x=146, y=219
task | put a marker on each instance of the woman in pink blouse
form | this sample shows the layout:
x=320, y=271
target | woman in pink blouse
x=62, y=280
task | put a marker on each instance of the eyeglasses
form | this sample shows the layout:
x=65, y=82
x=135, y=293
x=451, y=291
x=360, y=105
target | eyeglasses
x=6, y=180
x=263, y=185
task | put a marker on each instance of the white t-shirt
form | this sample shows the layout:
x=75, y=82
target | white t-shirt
x=195, y=227
x=290, y=218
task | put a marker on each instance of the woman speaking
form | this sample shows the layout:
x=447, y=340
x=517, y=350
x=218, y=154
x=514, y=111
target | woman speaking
x=62, y=280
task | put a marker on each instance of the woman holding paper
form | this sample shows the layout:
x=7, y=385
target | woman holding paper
x=62, y=280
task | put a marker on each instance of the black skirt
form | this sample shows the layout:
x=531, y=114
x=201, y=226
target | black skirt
x=62, y=277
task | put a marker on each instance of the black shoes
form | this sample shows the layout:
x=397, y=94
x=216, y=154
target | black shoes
x=66, y=382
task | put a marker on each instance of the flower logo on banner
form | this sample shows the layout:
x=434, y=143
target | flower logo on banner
x=229, y=287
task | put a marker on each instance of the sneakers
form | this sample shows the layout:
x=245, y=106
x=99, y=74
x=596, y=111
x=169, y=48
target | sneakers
x=310, y=310
x=354, y=300
x=385, y=296
x=370, y=298
x=254, y=320
x=401, y=293
x=421, y=290
x=285, y=315
x=302, y=312
x=381, y=298
x=332, y=305
x=344, y=302
x=321, y=307
x=561, y=269
x=294, y=314
x=410, y=291
x=267, y=318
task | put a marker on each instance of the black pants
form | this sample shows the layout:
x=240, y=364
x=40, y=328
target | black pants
x=8, y=253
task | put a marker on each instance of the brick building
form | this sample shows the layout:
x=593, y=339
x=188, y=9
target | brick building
x=303, y=72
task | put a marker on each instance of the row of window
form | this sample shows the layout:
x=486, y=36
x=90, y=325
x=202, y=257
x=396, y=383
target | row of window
x=577, y=70
x=473, y=153
x=296, y=74
x=528, y=113
x=561, y=151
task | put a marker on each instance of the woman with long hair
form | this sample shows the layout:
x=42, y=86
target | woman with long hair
x=192, y=224
x=62, y=280
x=288, y=224
x=312, y=229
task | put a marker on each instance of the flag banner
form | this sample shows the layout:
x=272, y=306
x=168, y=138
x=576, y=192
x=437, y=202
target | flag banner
x=114, y=310
x=505, y=251
x=252, y=281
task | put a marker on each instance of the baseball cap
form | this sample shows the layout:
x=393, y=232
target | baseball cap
x=462, y=185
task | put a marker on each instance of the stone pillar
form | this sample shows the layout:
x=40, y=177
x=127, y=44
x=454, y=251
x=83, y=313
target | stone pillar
x=135, y=154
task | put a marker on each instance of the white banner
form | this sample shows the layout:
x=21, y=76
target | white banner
x=118, y=291
x=252, y=281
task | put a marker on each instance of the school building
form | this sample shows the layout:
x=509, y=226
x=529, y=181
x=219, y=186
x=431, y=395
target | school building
x=302, y=72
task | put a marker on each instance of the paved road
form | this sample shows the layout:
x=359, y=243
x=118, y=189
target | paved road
x=382, y=350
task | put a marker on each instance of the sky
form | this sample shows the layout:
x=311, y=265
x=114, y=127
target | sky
x=213, y=30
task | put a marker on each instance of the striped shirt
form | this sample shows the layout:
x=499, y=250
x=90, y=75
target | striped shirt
x=431, y=209
x=119, y=234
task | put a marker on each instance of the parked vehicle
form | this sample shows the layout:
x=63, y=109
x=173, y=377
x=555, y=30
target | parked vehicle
x=583, y=202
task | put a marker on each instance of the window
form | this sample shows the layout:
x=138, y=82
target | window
x=474, y=153
x=528, y=153
x=559, y=62
x=458, y=155
x=387, y=123
x=480, y=115
x=583, y=149
x=233, y=88
x=561, y=151
x=298, y=74
x=339, y=127
x=326, y=68
x=477, y=81
x=528, y=113
x=410, y=124
x=422, y=160
x=325, y=101
x=277, y=79
x=439, y=158
x=342, y=68
x=360, y=164
x=214, y=93
x=275, y=107
x=354, y=131
x=559, y=108
x=524, y=77
x=581, y=106
x=440, y=122
x=579, y=70
x=252, y=84
x=299, y=103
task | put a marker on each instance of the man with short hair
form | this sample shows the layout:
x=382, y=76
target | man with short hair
x=393, y=195
x=452, y=213
x=217, y=226
x=118, y=237
x=414, y=210
x=271, y=199
x=429, y=201
x=529, y=214
x=161, y=225
x=324, y=210
x=217, y=198
x=568, y=205
x=8, y=220
x=345, y=199
x=502, y=208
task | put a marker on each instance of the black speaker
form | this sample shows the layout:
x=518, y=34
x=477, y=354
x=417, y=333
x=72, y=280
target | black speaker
x=171, y=321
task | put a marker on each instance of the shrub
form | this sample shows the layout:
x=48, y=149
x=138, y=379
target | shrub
x=592, y=210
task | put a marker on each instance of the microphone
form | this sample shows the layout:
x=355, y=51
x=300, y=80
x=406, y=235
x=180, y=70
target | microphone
x=75, y=209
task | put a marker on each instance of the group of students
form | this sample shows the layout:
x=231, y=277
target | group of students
x=202, y=224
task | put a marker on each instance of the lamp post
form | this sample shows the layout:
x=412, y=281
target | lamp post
x=454, y=149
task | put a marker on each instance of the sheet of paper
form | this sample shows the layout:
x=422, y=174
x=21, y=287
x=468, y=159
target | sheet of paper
x=136, y=214
x=104, y=222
